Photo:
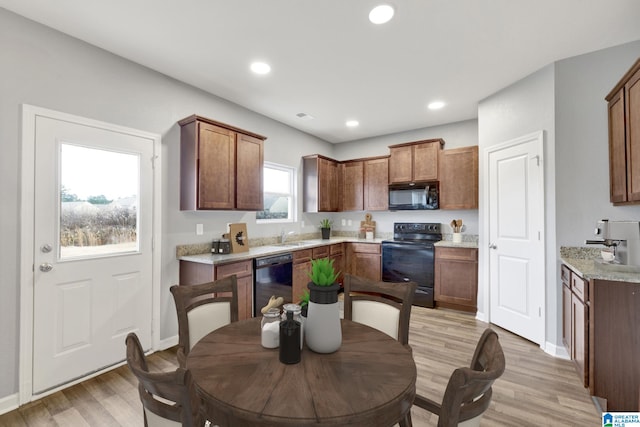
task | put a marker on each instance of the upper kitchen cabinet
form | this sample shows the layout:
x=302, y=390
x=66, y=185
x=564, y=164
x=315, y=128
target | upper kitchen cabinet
x=459, y=178
x=365, y=184
x=321, y=181
x=220, y=166
x=624, y=138
x=414, y=161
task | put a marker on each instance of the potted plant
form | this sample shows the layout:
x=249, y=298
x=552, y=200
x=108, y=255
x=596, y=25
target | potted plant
x=304, y=303
x=323, y=333
x=325, y=228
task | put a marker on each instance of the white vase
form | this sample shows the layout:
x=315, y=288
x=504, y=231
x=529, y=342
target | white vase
x=323, y=332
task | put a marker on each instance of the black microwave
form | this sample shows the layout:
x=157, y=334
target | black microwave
x=413, y=196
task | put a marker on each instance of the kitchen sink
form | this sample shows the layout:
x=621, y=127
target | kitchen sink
x=292, y=244
x=620, y=268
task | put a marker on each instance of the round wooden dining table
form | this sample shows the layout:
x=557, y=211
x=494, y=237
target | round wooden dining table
x=369, y=381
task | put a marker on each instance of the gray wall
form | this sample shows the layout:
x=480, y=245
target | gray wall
x=460, y=134
x=566, y=100
x=520, y=109
x=45, y=68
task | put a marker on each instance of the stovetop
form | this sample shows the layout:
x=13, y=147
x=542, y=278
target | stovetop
x=417, y=231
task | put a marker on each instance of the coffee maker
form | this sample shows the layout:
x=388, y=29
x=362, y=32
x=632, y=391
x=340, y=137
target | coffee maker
x=622, y=236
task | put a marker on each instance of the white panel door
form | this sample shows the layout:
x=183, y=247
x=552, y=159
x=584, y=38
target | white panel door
x=516, y=251
x=92, y=242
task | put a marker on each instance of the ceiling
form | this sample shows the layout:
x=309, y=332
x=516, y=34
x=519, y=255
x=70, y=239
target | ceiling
x=328, y=61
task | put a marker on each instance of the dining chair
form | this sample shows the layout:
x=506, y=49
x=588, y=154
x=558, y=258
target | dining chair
x=385, y=306
x=468, y=391
x=168, y=398
x=203, y=308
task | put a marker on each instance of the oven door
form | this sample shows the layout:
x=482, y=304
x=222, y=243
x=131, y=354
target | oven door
x=409, y=261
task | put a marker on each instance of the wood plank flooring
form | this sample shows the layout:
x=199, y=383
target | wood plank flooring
x=535, y=390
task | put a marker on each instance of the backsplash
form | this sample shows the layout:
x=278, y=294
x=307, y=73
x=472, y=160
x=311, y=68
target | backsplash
x=579, y=252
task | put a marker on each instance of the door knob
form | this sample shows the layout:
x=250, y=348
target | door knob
x=46, y=267
x=493, y=246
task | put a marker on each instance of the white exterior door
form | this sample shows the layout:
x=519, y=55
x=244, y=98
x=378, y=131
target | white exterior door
x=93, y=264
x=516, y=230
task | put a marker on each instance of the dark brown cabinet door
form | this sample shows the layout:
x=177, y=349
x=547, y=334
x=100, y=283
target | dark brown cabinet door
x=363, y=259
x=425, y=161
x=632, y=107
x=414, y=161
x=459, y=178
x=376, y=184
x=220, y=166
x=216, y=167
x=400, y=164
x=456, y=277
x=328, y=185
x=623, y=111
x=249, y=166
x=352, y=186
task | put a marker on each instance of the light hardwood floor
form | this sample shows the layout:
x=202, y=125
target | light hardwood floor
x=535, y=390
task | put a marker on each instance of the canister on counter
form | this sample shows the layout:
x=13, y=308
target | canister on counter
x=225, y=246
x=215, y=246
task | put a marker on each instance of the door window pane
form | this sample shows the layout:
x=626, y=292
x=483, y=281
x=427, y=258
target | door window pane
x=99, y=202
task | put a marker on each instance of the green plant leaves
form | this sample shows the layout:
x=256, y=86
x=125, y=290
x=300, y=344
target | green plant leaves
x=322, y=272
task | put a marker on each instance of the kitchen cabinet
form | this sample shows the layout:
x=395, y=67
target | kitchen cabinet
x=363, y=259
x=301, y=269
x=575, y=320
x=623, y=106
x=365, y=184
x=414, y=161
x=458, y=176
x=220, y=166
x=352, y=185
x=194, y=273
x=244, y=274
x=456, y=278
x=336, y=253
x=376, y=184
x=614, y=343
x=321, y=181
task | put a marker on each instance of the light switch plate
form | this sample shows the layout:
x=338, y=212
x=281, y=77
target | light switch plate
x=199, y=229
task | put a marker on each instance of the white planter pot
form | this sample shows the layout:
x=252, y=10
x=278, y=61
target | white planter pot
x=323, y=332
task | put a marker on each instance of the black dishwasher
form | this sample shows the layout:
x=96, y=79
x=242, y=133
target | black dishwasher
x=273, y=275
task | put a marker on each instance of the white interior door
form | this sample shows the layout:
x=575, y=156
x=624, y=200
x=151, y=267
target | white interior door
x=516, y=230
x=93, y=260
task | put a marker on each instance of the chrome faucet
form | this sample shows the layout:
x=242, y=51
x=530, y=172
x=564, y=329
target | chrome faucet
x=283, y=235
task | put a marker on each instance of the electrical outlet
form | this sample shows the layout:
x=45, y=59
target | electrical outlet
x=349, y=223
x=199, y=229
x=302, y=224
x=344, y=222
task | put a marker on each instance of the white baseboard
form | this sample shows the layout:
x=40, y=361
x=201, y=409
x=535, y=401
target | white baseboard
x=9, y=403
x=556, y=351
x=167, y=343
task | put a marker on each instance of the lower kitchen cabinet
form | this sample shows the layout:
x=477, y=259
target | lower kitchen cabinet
x=456, y=278
x=575, y=320
x=364, y=260
x=194, y=273
x=301, y=269
x=336, y=253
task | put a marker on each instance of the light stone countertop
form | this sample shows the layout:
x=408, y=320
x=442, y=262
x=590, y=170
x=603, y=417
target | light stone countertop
x=265, y=250
x=589, y=265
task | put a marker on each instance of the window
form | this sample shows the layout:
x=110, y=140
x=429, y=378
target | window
x=279, y=194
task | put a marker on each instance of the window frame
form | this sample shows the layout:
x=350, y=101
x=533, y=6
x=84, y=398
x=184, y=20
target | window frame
x=293, y=200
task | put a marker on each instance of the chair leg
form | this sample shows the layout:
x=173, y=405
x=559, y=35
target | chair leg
x=406, y=420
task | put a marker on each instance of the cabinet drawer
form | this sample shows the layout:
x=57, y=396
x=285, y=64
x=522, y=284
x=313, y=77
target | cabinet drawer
x=367, y=248
x=461, y=254
x=241, y=269
x=579, y=287
x=335, y=249
x=321, y=252
x=302, y=255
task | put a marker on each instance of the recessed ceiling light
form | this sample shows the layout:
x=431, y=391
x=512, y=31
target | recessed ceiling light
x=352, y=123
x=381, y=14
x=436, y=105
x=260, y=67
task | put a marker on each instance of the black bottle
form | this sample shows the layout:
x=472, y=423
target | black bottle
x=289, y=340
